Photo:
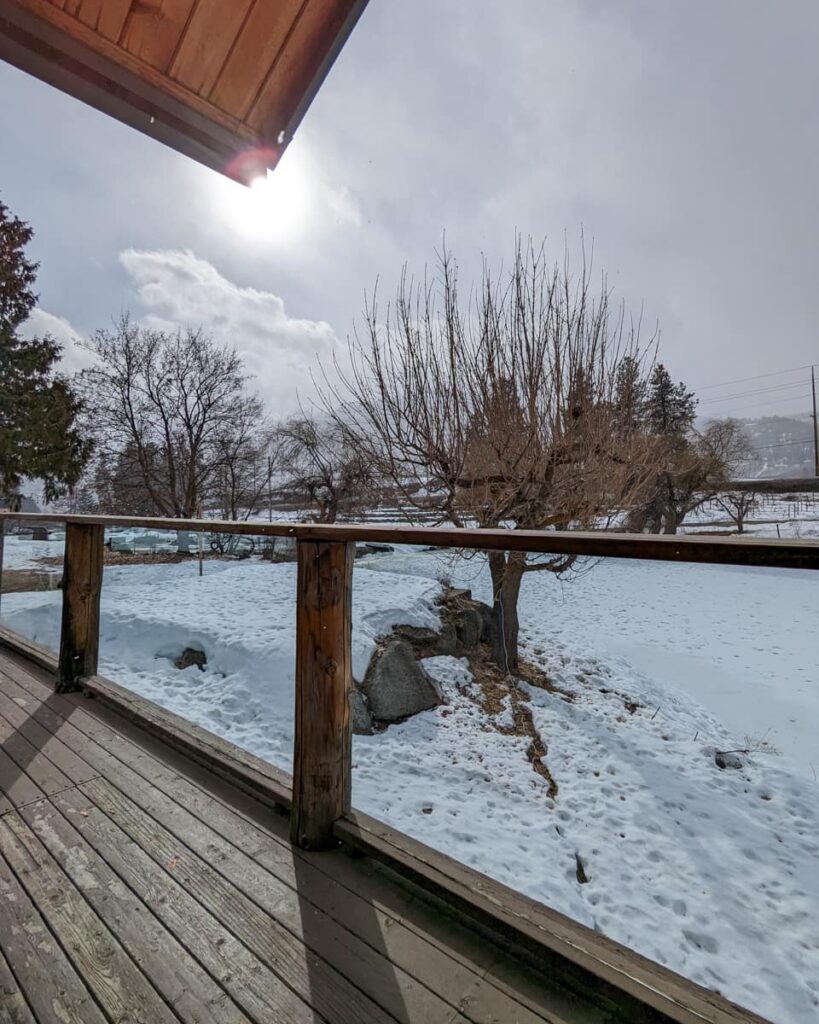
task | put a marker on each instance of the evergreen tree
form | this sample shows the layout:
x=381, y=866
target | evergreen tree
x=39, y=438
x=670, y=408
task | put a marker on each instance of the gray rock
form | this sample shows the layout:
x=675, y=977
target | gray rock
x=371, y=548
x=429, y=641
x=398, y=686
x=487, y=621
x=727, y=759
x=423, y=639
x=360, y=714
x=447, y=639
x=469, y=627
x=191, y=656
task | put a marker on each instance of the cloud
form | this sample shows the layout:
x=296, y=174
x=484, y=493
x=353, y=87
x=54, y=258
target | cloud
x=178, y=289
x=42, y=322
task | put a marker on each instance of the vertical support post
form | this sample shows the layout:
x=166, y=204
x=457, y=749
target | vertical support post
x=2, y=552
x=321, y=748
x=82, y=584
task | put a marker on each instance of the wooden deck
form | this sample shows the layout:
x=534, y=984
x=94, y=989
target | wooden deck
x=135, y=885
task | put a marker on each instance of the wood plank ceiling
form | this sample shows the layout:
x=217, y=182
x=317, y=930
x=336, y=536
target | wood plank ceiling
x=224, y=81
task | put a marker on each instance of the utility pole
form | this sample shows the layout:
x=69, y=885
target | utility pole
x=815, y=424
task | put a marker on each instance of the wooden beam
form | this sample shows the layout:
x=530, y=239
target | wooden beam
x=760, y=551
x=321, y=746
x=82, y=585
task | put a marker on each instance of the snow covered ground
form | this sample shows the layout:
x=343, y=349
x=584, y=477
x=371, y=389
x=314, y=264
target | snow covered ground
x=797, y=516
x=712, y=872
x=22, y=553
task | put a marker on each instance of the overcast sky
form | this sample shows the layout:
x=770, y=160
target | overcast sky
x=683, y=137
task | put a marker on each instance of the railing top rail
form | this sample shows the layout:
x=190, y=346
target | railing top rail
x=756, y=551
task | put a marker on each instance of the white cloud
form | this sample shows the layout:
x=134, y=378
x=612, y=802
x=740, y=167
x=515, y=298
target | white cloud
x=177, y=289
x=41, y=322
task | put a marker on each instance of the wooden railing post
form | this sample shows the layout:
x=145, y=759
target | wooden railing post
x=82, y=584
x=2, y=552
x=321, y=746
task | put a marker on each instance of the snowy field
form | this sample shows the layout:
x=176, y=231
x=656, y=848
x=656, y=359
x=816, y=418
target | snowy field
x=712, y=872
x=797, y=516
x=22, y=553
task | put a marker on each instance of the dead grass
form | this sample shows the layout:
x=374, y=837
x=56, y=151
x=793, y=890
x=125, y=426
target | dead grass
x=20, y=581
x=137, y=558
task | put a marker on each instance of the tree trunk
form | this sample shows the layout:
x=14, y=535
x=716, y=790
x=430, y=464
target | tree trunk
x=670, y=521
x=507, y=575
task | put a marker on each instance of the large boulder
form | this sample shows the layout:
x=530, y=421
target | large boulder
x=469, y=626
x=360, y=713
x=398, y=686
x=428, y=642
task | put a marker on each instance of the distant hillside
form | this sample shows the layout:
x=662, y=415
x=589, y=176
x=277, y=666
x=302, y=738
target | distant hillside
x=784, y=446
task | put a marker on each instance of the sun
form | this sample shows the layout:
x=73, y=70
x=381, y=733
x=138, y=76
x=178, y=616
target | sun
x=274, y=207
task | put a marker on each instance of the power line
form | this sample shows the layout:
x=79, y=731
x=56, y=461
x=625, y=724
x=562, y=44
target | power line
x=773, y=401
x=759, y=376
x=782, y=444
x=754, y=391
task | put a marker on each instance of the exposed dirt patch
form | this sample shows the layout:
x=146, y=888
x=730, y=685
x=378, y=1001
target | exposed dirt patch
x=535, y=676
x=137, y=558
x=493, y=682
x=19, y=581
x=496, y=689
x=536, y=751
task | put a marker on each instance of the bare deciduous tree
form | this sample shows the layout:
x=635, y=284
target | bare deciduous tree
x=248, y=456
x=322, y=472
x=502, y=414
x=737, y=505
x=696, y=469
x=165, y=402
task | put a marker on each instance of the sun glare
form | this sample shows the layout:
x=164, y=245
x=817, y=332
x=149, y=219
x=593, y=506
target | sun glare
x=274, y=207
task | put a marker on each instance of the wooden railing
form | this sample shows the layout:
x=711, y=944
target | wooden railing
x=322, y=743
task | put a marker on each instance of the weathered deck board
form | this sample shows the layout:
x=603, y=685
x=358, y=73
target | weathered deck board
x=12, y=1000
x=175, y=974
x=190, y=893
x=250, y=983
x=52, y=987
x=119, y=987
x=295, y=918
x=61, y=756
x=16, y=787
x=30, y=760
